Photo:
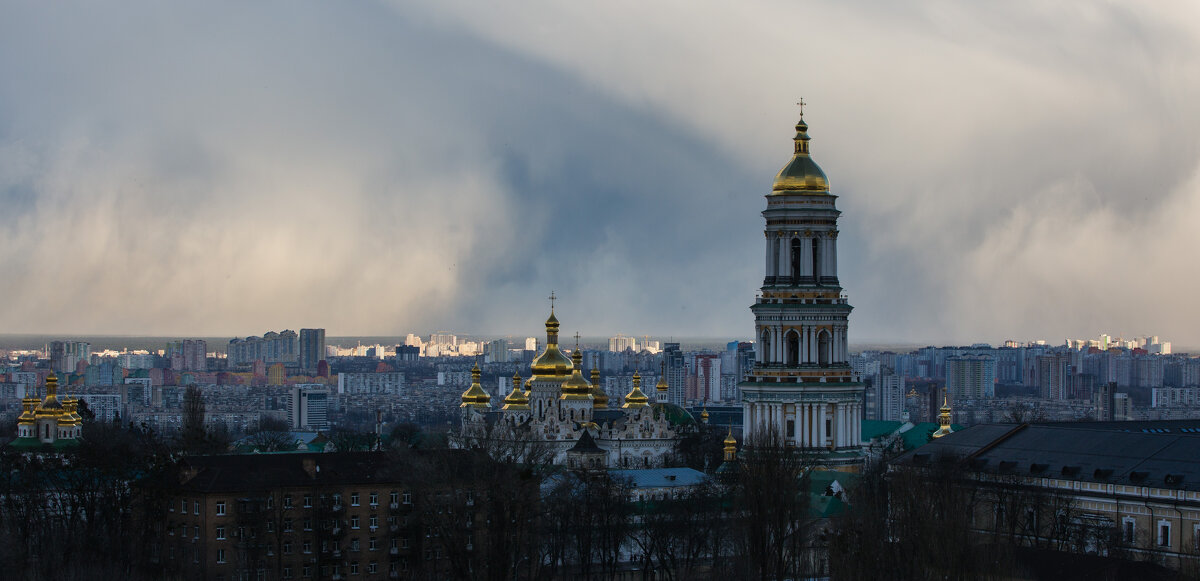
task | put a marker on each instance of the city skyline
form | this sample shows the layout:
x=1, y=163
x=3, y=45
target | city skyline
x=1006, y=172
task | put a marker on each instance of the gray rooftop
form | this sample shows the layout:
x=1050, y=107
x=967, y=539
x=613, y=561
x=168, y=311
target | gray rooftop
x=1146, y=457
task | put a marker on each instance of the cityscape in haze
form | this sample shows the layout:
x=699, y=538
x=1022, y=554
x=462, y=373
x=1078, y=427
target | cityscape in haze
x=541, y=291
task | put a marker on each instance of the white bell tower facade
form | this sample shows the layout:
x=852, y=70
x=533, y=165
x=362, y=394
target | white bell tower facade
x=801, y=391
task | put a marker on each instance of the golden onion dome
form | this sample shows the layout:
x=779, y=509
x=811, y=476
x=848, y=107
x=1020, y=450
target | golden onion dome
x=475, y=396
x=599, y=397
x=801, y=174
x=50, y=406
x=730, y=446
x=704, y=415
x=516, y=400
x=662, y=386
x=635, y=398
x=576, y=387
x=552, y=363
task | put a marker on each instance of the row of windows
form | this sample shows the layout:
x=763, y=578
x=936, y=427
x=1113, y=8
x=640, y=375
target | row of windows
x=396, y=498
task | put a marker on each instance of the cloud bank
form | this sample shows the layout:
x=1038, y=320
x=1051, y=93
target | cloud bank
x=1021, y=170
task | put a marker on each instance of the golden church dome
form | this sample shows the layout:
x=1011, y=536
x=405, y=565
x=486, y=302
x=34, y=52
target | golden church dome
x=801, y=174
x=517, y=399
x=475, y=396
x=576, y=387
x=635, y=398
x=552, y=363
x=599, y=398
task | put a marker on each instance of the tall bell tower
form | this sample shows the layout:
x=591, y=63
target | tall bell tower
x=801, y=391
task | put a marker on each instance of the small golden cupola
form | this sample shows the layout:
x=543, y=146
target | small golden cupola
x=50, y=407
x=730, y=447
x=801, y=174
x=599, y=397
x=475, y=396
x=661, y=387
x=704, y=414
x=944, y=417
x=552, y=363
x=576, y=387
x=517, y=399
x=635, y=398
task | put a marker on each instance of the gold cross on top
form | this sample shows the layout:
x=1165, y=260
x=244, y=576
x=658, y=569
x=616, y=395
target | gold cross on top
x=552, y=300
x=801, y=104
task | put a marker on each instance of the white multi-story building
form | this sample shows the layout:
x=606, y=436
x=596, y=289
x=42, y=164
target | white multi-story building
x=390, y=383
x=308, y=407
x=620, y=343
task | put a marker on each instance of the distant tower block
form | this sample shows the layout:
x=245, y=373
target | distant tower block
x=800, y=391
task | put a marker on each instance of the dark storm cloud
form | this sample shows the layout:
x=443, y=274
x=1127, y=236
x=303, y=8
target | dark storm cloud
x=1017, y=170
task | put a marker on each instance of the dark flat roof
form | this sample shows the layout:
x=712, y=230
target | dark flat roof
x=1080, y=451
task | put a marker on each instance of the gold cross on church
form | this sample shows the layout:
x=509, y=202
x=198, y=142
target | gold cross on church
x=801, y=104
x=551, y=300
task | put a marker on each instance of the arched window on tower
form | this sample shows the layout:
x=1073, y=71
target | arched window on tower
x=823, y=348
x=766, y=346
x=793, y=348
x=816, y=259
x=797, y=253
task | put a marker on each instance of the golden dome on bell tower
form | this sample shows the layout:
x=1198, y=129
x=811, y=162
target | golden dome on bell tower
x=801, y=174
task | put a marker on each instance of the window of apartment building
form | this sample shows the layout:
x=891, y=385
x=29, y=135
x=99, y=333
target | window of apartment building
x=287, y=501
x=337, y=499
x=354, y=545
x=287, y=572
x=220, y=555
x=373, y=544
x=183, y=506
x=221, y=508
x=287, y=547
x=407, y=498
x=182, y=531
x=372, y=567
x=354, y=568
x=270, y=501
x=354, y=499
x=308, y=524
x=287, y=525
x=1196, y=537
x=403, y=542
x=307, y=571
x=195, y=531
x=1164, y=533
x=307, y=501
x=307, y=547
x=373, y=522
x=1128, y=529
x=374, y=498
x=270, y=526
x=196, y=507
x=354, y=522
x=395, y=497
x=220, y=533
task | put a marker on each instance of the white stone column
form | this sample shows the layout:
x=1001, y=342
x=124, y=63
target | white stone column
x=785, y=255
x=821, y=425
x=832, y=256
x=806, y=265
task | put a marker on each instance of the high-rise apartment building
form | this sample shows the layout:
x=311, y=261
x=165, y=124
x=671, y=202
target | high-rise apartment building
x=312, y=349
x=970, y=378
x=802, y=391
x=1052, y=376
x=308, y=407
x=66, y=355
x=676, y=373
x=273, y=347
x=621, y=343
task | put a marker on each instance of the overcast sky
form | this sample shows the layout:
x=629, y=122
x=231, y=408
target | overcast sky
x=1023, y=170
